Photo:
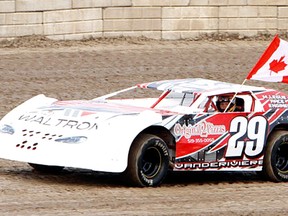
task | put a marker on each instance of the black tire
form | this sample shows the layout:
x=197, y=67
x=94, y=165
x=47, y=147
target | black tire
x=275, y=165
x=46, y=169
x=148, y=161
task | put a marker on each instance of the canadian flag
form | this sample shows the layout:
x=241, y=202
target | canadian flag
x=272, y=66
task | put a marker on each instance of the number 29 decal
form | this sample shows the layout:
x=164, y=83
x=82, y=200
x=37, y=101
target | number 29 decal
x=247, y=137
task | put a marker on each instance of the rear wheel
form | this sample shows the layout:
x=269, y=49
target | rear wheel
x=46, y=169
x=148, y=161
x=275, y=164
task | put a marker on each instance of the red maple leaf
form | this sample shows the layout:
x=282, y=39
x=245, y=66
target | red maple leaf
x=277, y=66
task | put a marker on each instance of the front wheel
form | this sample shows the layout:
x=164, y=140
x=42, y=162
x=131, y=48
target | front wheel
x=276, y=157
x=148, y=161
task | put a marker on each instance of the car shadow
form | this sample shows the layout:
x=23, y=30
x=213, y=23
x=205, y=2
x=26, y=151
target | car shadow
x=91, y=178
x=210, y=177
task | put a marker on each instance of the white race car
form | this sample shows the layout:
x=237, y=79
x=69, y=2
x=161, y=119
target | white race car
x=183, y=128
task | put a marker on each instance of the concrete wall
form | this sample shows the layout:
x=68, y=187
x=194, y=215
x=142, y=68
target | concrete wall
x=159, y=19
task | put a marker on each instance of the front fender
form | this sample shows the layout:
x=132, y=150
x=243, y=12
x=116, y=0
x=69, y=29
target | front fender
x=122, y=131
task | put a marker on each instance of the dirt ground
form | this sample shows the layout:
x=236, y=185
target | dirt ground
x=87, y=70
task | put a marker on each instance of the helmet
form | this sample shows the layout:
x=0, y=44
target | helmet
x=227, y=99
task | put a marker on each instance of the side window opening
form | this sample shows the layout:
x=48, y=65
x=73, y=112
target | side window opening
x=244, y=102
x=239, y=103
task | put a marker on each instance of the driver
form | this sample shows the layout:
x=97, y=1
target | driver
x=223, y=101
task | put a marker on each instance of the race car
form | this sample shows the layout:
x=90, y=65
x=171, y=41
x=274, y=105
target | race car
x=149, y=129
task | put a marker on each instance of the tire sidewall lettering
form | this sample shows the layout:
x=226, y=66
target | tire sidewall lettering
x=163, y=150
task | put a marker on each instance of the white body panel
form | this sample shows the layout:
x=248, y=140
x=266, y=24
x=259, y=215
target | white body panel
x=109, y=136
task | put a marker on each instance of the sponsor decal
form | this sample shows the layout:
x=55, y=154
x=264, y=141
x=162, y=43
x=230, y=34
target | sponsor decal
x=276, y=101
x=201, y=140
x=60, y=122
x=202, y=129
x=218, y=165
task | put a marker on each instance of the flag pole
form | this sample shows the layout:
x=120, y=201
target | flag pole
x=234, y=96
x=243, y=82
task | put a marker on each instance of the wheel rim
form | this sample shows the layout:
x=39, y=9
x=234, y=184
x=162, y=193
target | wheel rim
x=151, y=162
x=282, y=158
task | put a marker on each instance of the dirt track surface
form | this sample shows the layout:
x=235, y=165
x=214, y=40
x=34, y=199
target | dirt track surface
x=87, y=71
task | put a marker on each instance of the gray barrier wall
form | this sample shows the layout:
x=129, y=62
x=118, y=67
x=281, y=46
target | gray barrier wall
x=158, y=19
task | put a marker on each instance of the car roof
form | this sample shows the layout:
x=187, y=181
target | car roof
x=199, y=85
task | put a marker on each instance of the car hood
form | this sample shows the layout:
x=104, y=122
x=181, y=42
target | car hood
x=91, y=106
x=80, y=114
x=98, y=109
